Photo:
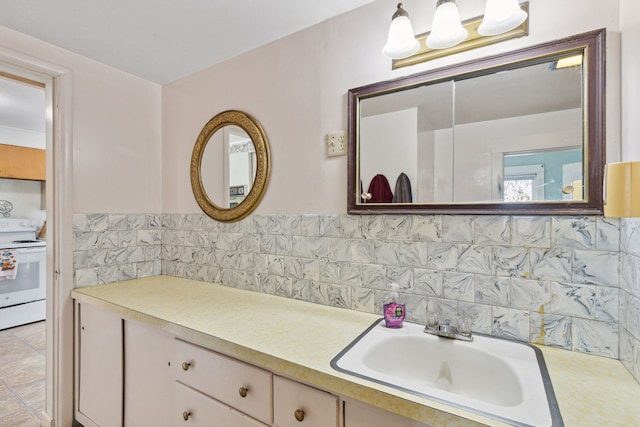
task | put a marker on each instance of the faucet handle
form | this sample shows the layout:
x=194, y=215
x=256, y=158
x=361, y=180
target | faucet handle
x=433, y=319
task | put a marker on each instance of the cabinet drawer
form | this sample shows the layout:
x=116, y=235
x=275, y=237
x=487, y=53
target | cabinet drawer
x=319, y=408
x=237, y=384
x=194, y=409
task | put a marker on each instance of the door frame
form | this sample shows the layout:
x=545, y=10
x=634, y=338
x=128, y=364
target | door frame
x=59, y=201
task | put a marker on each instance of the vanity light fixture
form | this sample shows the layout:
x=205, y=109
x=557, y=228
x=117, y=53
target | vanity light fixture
x=401, y=41
x=447, y=30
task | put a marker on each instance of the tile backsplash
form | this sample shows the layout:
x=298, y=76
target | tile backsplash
x=568, y=282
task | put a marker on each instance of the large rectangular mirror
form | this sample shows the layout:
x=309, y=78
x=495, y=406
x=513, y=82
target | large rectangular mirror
x=516, y=133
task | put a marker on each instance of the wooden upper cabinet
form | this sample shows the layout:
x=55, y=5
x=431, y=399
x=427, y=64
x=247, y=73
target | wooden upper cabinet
x=22, y=163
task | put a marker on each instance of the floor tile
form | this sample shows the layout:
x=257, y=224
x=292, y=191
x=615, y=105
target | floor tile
x=23, y=371
x=33, y=394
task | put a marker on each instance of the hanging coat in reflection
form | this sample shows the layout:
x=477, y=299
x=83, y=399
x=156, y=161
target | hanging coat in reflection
x=403, y=190
x=380, y=190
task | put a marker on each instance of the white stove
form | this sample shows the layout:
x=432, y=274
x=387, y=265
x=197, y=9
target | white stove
x=19, y=233
x=22, y=273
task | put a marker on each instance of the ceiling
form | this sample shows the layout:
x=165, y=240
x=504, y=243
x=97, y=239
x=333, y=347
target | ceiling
x=164, y=40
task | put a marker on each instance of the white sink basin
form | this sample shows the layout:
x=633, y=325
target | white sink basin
x=503, y=379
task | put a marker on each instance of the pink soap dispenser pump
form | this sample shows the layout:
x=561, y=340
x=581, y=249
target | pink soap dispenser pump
x=394, y=312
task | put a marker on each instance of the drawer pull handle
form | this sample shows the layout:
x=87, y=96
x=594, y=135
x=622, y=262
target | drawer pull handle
x=186, y=415
x=299, y=414
x=243, y=391
x=185, y=366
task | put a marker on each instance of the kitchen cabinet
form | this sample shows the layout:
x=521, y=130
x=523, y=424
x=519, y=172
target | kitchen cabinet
x=296, y=404
x=99, y=367
x=22, y=163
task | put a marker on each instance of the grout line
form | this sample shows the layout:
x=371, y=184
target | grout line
x=22, y=401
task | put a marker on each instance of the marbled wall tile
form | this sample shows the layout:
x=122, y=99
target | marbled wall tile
x=413, y=254
x=86, y=277
x=260, y=263
x=398, y=227
x=283, y=287
x=260, y=224
x=373, y=227
x=80, y=260
x=109, y=274
x=97, y=257
x=351, y=274
x=403, y=276
x=250, y=242
x=573, y=232
x=127, y=271
x=363, y=251
x=319, y=247
x=630, y=236
x=300, y=246
x=510, y=261
x=474, y=259
x=510, y=324
x=442, y=256
x=86, y=240
x=458, y=286
x=302, y=290
x=593, y=337
x=310, y=225
x=329, y=226
x=446, y=309
x=415, y=307
x=492, y=230
x=153, y=221
x=550, y=264
x=341, y=249
x=291, y=225
x=97, y=222
x=252, y=282
x=626, y=350
x=531, y=231
x=329, y=271
x=550, y=329
x=128, y=238
x=426, y=228
x=79, y=222
x=630, y=273
x=363, y=299
x=387, y=253
x=350, y=227
x=374, y=276
x=152, y=237
x=480, y=315
x=607, y=234
x=276, y=224
x=427, y=282
x=595, y=267
x=277, y=265
x=457, y=229
x=283, y=245
x=532, y=295
x=607, y=304
x=292, y=268
x=339, y=296
x=492, y=290
x=573, y=300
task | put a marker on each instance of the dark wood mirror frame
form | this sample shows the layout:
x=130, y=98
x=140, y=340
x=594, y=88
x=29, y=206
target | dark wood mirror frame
x=593, y=44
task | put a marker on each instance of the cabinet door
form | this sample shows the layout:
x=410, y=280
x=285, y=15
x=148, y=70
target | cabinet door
x=359, y=414
x=99, y=367
x=299, y=405
x=194, y=409
x=148, y=386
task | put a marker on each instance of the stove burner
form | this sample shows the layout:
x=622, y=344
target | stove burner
x=25, y=241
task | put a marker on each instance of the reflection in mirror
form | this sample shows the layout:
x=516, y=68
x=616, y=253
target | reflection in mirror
x=230, y=166
x=517, y=133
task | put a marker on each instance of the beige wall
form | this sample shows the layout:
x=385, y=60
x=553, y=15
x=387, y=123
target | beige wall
x=630, y=24
x=296, y=87
x=116, y=131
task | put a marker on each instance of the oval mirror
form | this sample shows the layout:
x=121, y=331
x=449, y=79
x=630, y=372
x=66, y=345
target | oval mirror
x=230, y=166
x=516, y=133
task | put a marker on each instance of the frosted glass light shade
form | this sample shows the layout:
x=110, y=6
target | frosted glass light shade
x=401, y=41
x=501, y=16
x=446, y=30
x=622, y=188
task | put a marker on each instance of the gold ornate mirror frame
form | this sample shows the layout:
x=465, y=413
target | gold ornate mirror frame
x=259, y=139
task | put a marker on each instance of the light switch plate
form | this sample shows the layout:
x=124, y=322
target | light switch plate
x=336, y=144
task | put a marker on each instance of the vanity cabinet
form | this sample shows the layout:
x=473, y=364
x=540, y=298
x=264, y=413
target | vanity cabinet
x=359, y=414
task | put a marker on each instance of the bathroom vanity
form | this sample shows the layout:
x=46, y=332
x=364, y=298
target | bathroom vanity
x=165, y=351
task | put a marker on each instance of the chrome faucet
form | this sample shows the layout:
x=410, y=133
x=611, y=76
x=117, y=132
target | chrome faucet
x=447, y=330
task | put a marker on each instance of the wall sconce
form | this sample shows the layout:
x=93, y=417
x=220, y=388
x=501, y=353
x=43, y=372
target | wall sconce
x=622, y=182
x=500, y=17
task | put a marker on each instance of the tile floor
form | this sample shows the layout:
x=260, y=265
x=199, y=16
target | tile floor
x=22, y=373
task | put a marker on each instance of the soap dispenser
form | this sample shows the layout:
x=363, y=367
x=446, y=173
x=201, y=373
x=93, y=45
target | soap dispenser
x=394, y=312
